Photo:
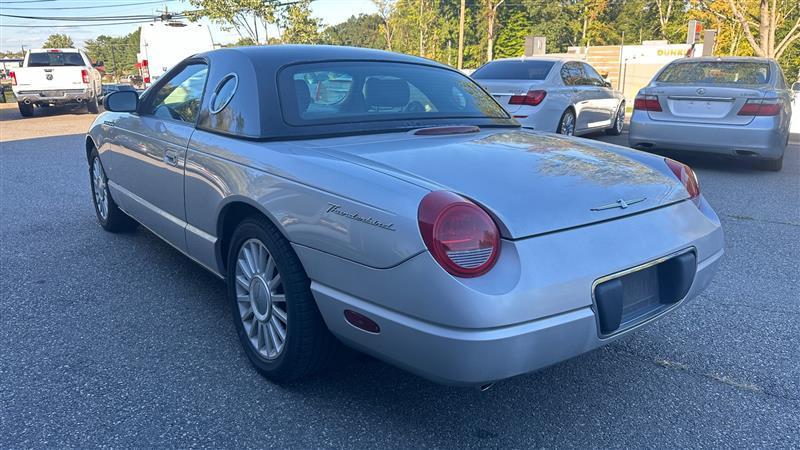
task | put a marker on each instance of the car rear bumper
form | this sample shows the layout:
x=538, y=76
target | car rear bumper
x=54, y=97
x=763, y=137
x=469, y=332
x=473, y=357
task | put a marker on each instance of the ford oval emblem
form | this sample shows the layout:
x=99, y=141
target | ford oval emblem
x=701, y=91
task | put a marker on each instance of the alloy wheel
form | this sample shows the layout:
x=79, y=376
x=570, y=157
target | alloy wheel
x=620, y=119
x=261, y=299
x=568, y=124
x=100, y=189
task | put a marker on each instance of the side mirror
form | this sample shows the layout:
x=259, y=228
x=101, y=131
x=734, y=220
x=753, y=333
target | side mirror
x=607, y=84
x=121, y=101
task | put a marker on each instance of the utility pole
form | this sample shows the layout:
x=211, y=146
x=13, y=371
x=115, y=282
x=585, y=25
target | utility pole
x=114, y=64
x=461, y=35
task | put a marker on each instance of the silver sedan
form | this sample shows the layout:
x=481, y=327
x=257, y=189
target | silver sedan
x=731, y=106
x=555, y=95
x=388, y=203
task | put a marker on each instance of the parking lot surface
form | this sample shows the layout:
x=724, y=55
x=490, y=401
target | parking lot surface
x=120, y=340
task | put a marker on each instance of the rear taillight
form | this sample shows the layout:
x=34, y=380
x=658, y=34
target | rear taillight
x=758, y=107
x=686, y=175
x=532, y=98
x=85, y=76
x=13, y=77
x=647, y=103
x=460, y=235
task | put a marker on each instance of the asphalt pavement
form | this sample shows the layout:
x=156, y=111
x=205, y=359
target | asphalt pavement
x=119, y=340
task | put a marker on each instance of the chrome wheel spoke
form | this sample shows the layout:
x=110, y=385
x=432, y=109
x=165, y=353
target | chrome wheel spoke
x=279, y=313
x=100, y=189
x=261, y=299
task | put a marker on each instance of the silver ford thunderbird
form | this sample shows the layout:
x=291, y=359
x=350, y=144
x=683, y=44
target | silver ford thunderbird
x=389, y=203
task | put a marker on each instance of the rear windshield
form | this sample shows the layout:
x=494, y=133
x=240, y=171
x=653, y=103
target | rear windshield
x=514, y=70
x=344, y=92
x=716, y=72
x=51, y=59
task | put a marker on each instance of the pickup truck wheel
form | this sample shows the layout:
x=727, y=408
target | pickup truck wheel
x=26, y=110
x=92, y=106
x=771, y=165
x=109, y=215
x=274, y=312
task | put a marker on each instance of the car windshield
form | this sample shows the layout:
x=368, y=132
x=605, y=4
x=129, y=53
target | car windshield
x=343, y=92
x=514, y=69
x=50, y=59
x=716, y=72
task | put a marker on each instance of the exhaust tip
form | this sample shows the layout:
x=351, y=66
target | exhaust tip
x=79, y=99
x=27, y=101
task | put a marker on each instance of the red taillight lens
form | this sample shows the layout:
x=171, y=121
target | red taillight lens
x=766, y=107
x=532, y=98
x=13, y=77
x=647, y=103
x=686, y=175
x=460, y=235
x=85, y=76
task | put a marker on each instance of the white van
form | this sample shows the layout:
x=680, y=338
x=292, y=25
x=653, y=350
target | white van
x=164, y=44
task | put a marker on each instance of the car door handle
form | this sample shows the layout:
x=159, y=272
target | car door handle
x=171, y=157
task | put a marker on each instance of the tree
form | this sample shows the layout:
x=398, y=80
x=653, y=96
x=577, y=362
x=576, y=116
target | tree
x=300, y=27
x=386, y=11
x=58, y=41
x=461, y=18
x=769, y=20
x=246, y=17
x=357, y=31
x=491, y=15
x=118, y=53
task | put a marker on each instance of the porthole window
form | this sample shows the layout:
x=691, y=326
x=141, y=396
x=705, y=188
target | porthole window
x=224, y=93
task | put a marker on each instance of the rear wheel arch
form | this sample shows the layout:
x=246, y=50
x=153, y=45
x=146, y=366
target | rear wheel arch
x=90, y=145
x=230, y=216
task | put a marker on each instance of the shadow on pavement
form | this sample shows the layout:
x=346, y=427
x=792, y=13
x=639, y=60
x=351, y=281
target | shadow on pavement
x=9, y=113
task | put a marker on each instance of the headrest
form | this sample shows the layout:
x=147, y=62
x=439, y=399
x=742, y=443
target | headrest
x=760, y=78
x=386, y=93
x=303, y=95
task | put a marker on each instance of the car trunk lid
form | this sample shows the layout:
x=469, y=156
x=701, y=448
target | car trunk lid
x=533, y=183
x=503, y=90
x=708, y=104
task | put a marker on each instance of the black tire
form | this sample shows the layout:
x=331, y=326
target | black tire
x=771, y=165
x=561, y=123
x=92, y=105
x=619, y=122
x=115, y=220
x=25, y=110
x=309, y=346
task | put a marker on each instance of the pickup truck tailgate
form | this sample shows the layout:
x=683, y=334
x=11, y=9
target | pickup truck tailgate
x=49, y=78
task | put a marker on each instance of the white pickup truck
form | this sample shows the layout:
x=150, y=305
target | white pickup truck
x=56, y=76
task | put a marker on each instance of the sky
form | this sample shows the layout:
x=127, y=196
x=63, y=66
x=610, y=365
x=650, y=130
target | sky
x=34, y=32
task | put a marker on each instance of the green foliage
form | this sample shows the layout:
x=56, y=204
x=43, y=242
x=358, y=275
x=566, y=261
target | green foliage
x=247, y=17
x=117, y=53
x=58, y=41
x=357, y=31
x=511, y=40
x=299, y=26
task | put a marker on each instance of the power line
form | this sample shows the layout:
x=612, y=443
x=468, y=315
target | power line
x=80, y=25
x=86, y=7
x=91, y=19
x=26, y=1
